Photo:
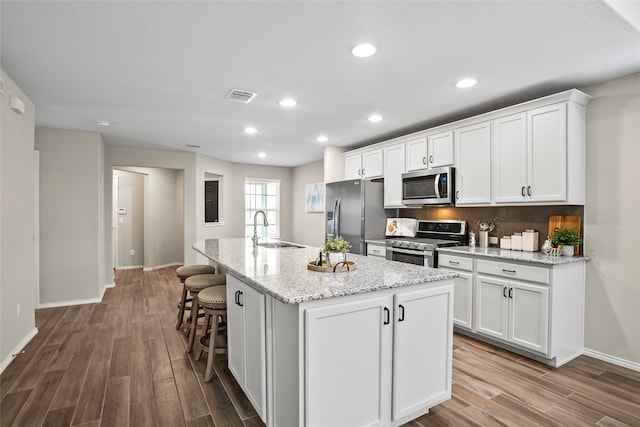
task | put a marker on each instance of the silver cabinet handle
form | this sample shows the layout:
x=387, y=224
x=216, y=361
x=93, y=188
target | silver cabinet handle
x=454, y=262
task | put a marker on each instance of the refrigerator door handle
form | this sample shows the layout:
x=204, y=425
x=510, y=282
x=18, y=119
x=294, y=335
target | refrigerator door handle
x=336, y=218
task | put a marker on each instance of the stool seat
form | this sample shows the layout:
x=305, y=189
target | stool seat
x=202, y=281
x=191, y=270
x=213, y=295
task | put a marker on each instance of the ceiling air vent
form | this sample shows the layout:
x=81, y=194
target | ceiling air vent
x=240, y=95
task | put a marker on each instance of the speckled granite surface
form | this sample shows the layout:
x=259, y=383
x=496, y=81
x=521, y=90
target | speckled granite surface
x=509, y=255
x=283, y=273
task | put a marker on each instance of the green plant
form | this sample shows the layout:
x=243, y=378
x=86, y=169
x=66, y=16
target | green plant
x=566, y=237
x=336, y=244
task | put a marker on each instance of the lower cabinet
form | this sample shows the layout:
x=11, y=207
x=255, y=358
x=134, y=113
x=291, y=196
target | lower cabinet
x=378, y=360
x=246, y=341
x=462, y=288
x=516, y=312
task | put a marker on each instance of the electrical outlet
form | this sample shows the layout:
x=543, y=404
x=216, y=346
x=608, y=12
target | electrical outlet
x=18, y=311
x=132, y=252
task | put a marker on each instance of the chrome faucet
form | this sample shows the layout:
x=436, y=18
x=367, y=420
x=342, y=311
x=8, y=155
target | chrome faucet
x=255, y=225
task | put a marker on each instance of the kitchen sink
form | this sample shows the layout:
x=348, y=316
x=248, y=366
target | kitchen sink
x=279, y=245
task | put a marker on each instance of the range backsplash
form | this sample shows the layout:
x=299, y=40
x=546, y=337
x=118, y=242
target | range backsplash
x=508, y=219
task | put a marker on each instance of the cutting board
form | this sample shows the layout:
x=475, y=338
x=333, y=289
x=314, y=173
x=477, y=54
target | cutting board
x=558, y=222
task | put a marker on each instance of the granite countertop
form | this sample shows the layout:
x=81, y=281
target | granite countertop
x=509, y=255
x=283, y=273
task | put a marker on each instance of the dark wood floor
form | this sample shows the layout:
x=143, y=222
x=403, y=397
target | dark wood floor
x=122, y=362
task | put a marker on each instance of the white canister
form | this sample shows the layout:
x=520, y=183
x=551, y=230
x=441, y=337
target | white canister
x=530, y=241
x=516, y=242
x=505, y=242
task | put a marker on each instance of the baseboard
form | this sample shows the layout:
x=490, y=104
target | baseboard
x=18, y=349
x=68, y=303
x=129, y=267
x=612, y=359
x=157, y=267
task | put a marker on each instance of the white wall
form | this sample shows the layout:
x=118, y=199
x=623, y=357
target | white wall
x=308, y=227
x=131, y=223
x=611, y=216
x=71, y=216
x=17, y=194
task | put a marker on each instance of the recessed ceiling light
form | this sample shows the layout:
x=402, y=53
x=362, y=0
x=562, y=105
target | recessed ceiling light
x=375, y=118
x=363, y=50
x=262, y=155
x=288, y=102
x=104, y=123
x=322, y=138
x=250, y=130
x=464, y=83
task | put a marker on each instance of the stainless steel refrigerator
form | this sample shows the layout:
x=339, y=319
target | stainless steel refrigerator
x=355, y=211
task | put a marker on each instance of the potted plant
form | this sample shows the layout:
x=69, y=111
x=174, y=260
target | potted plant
x=336, y=245
x=566, y=239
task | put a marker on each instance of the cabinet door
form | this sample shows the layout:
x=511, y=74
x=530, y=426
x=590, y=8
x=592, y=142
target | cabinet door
x=417, y=154
x=509, y=158
x=473, y=160
x=441, y=149
x=246, y=347
x=423, y=331
x=353, y=166
x=235, y=329
x=547, y=154
x=462, y=299
x=529, y=317
x=393, y=170
x=372, y=164
x=348, y=363
x=492, y=307
x=255, y=384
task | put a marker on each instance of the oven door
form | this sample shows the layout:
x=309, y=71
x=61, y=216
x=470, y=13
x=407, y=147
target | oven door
x=409, y=256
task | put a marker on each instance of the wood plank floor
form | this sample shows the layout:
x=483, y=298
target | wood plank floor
x=122, y=363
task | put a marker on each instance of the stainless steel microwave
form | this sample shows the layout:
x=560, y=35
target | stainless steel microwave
x=429, y=187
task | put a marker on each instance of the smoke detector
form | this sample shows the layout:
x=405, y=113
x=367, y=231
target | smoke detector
x=240, y=95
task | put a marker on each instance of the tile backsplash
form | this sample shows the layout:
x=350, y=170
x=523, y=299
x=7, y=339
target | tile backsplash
x=508, y=219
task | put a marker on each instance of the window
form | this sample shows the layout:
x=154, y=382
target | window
x=261, y=194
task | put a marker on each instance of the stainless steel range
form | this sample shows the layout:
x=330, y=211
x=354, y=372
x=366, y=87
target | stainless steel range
x=421, y=250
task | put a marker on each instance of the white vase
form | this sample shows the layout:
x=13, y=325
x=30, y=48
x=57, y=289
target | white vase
x=567, y=250
x=335, y=257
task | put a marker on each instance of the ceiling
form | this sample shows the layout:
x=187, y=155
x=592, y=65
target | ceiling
x=159, y=71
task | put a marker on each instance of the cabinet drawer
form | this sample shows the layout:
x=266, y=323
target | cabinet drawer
x=457, y=262
x=376, y=250
x=514, y=271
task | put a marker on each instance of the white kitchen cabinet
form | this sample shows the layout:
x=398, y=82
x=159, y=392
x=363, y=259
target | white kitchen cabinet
x=513, y=310
x=394, y=162
x=473, y=162
x=393, y=352
x=462, y=288
x=441, y=149
x=376, y=250
x=246, y=341
x=530, y=156
x=364, y=165
x=417, y=154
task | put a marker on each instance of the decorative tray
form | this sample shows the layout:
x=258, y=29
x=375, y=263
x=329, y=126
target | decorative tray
x=334, y=268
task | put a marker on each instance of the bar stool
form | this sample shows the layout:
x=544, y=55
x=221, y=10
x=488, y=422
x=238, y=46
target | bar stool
x=214, y=302
x=183, y=273
x=194, y=285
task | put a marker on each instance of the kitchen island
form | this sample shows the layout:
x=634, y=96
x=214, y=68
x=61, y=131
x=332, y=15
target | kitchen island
x=366, y=347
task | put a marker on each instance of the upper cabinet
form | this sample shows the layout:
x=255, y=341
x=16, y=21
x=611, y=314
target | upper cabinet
x=441, y=149
x=364, y=165
x=530, y=156
x=417, y=157
x=530, y=153
x=473, y=163
x=393, y=170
